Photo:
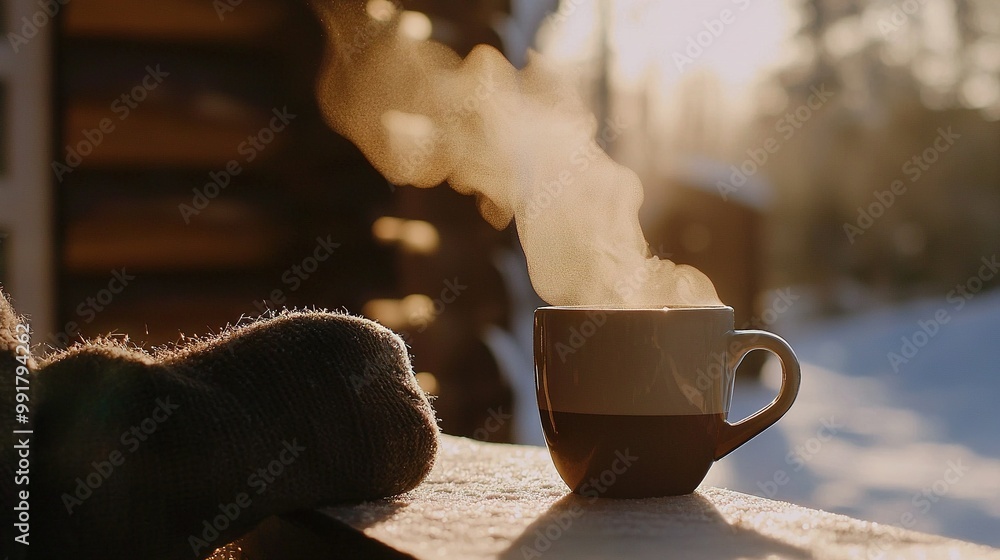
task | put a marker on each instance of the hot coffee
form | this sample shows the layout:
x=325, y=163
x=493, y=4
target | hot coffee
x=622, y=456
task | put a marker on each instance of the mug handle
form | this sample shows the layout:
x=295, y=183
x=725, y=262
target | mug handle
x=732, y=436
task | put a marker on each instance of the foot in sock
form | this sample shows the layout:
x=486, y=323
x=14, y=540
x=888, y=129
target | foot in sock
x=174, y=453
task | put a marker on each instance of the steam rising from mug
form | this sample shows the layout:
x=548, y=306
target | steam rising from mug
x=520, y=140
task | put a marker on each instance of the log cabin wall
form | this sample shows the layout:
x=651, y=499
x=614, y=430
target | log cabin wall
x=197, y=183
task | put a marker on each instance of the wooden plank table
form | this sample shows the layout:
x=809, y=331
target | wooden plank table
x=506, y=501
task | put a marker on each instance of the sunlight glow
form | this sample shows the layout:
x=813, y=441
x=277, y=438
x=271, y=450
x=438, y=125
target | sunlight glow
x=845, y=37
x=411, y=136
x=735, y=40
x=413, y=236
x=428, y=382
x=415, y=25
x=381, y=10
x=400, y=313
x=687, y=71
x=411, y=125
x=981, y=90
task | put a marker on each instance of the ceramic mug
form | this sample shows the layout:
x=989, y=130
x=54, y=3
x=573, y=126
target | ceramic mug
x=634, y=402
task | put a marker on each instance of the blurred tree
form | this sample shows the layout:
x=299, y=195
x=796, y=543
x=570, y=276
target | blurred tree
x=916, y=98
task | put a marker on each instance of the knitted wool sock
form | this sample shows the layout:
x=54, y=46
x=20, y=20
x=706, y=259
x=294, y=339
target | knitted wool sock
x=173, y=454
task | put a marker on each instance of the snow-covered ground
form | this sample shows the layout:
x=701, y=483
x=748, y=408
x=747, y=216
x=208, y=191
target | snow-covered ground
x=914, y=444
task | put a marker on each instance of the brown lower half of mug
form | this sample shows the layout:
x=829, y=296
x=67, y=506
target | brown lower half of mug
x=616, y=456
